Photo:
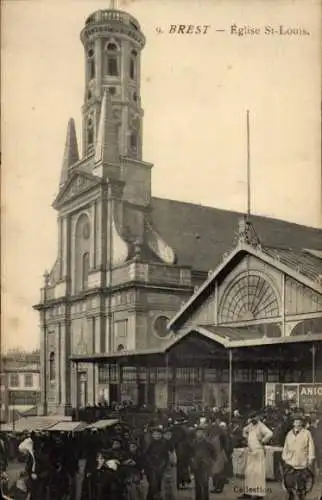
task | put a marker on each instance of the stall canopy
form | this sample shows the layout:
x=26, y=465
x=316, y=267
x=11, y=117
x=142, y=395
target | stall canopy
x=68, y=427
x=31, y=424
x=105, y=424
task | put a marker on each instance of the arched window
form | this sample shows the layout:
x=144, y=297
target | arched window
x=250, y=297
x=82, y=248
x=85, y=270
x=112, y=59
x=90, y=133
x=134, y=140
x=133, y=59
x=52, y=367
x=91, y=64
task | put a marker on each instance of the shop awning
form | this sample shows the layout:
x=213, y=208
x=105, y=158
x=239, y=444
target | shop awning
x=31, y=424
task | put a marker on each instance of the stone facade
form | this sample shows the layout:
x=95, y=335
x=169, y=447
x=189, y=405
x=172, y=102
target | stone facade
x=115, y=283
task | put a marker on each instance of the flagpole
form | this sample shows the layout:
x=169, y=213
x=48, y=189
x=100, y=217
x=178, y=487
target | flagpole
x=248, y=166
x=248, y=195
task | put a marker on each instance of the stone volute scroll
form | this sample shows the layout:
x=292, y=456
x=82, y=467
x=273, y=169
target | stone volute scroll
x=120, y=248
x=159, y=247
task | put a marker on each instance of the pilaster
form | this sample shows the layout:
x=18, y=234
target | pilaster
x=43, y=374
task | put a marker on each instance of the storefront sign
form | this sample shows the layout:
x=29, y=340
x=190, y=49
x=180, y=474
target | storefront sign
x=310, y=396
x=306, y=396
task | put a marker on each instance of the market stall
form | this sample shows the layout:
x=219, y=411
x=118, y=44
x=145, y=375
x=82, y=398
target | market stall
x=272, y=458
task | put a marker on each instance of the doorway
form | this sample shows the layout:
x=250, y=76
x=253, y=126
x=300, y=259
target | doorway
x=248, y=396
x=83, y=395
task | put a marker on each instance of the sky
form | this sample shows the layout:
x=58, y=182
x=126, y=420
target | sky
x=195, y=91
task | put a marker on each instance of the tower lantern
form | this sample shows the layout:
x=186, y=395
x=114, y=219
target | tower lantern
x=113, y=41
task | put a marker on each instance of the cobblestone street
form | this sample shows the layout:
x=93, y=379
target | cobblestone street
x=234, y=489
x=231, y=491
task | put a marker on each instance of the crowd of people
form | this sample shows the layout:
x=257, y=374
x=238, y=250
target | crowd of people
x=162, y=457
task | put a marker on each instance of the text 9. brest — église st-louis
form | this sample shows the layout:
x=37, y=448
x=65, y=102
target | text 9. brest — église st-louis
x=239, y=30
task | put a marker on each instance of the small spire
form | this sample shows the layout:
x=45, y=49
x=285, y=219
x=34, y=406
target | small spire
x=46, y=277
x=107, y=146
x=112, y=4
x=71, y=155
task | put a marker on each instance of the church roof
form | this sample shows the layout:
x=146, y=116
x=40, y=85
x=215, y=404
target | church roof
x=201, y=235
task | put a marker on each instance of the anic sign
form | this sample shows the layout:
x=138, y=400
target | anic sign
x=310, y=396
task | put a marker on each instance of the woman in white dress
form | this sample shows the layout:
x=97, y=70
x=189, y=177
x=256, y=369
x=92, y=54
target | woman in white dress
x=257, y=436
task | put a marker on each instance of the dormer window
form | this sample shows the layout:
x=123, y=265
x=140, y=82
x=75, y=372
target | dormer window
x=112, y=59
x=133, y=59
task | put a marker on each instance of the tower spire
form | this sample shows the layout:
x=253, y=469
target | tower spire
x=107, y=145
x=112, y=4
x=71, y=155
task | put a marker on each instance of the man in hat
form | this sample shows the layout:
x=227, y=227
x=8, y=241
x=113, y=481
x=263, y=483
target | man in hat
x=109, y=485
x=316, y=431
x=133, y=467
x=169, y=479
x=257, y=435
x=204, y=455
x=298, y=456
x=156, y=459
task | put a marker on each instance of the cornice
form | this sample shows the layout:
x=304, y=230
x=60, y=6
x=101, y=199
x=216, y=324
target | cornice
x=127, y=160
x=108, y=28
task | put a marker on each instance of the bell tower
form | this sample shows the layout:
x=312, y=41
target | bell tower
x=113, y=42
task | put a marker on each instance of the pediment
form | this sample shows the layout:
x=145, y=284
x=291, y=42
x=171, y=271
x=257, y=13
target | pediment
x=79, y=183
x=240, y=291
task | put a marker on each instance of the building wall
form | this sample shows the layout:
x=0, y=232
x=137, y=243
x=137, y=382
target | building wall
x=20, y=388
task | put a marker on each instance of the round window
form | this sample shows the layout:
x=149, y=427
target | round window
x=86, y=231
x=160, y=326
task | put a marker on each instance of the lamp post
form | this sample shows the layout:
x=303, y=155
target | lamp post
x=313, y=351
x=46, y=279
x=230, y=394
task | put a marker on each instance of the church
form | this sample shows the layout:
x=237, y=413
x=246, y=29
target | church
x=133, y=272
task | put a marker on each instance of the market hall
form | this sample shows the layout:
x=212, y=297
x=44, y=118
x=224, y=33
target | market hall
x=254, y=324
